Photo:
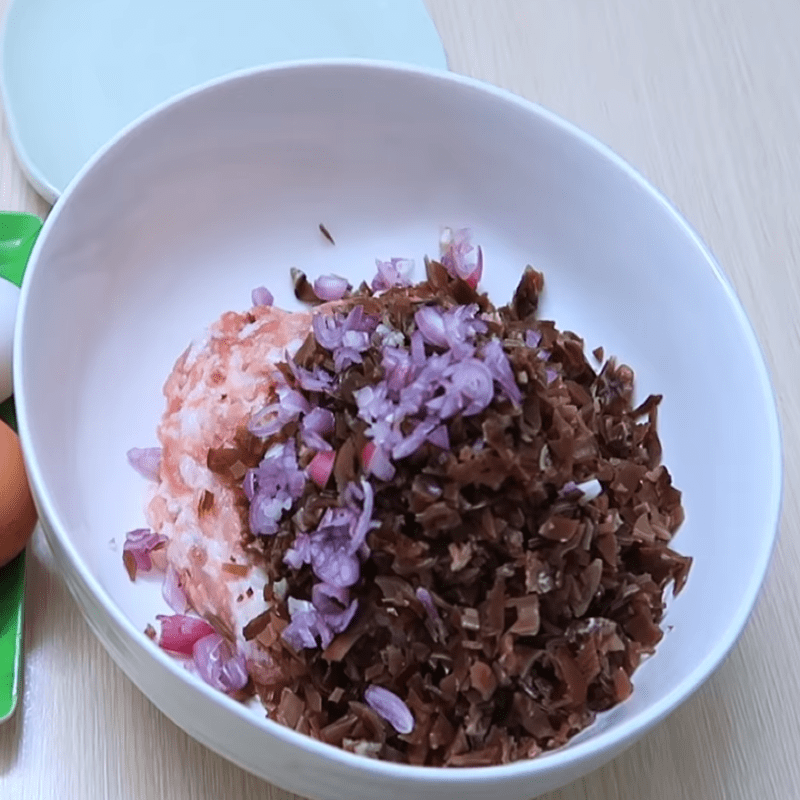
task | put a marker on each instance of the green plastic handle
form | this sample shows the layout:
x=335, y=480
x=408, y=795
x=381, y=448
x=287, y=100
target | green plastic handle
x=18, y=234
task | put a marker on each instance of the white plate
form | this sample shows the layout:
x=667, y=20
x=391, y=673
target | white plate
x=75, y=72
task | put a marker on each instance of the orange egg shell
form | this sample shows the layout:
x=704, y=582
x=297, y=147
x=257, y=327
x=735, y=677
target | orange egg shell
x=17, y=512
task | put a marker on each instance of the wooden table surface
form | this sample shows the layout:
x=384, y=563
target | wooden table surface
x=702, y=96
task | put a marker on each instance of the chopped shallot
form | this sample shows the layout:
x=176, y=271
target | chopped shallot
x=146, y=461
x=389, y=706
x=320, y=468
x=179, y=632
x=376, y=462
x=456, y=249
x=136, y=551
x=172, y=591
x=396, y=272
x=217, y=665
x=331, y=287
x=261, y=296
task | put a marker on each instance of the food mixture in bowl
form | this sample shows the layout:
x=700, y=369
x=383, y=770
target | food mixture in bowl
x=416, y=526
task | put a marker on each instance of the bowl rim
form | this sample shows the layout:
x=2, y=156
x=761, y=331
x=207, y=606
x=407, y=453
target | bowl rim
x=611, y=740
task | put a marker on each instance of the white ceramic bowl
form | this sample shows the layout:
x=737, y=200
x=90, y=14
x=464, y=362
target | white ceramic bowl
x=222, y=190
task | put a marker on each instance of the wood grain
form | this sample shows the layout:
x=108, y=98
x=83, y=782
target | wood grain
x=700, y=95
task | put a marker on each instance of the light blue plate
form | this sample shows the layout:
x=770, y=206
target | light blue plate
x=74, y=72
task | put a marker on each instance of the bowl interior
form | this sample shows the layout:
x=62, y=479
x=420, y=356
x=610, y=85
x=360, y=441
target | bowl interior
x=224, y=190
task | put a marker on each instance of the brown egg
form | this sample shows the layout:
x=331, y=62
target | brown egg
x=17, y=512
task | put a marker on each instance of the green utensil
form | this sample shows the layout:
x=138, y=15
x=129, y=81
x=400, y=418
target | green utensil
x=18, y=234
